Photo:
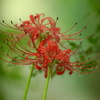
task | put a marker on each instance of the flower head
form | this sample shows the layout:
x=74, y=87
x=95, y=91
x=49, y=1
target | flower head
x=44, y=37
x=38, y=27
x=49, y=54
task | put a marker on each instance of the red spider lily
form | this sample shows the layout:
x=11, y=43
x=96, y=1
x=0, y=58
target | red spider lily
x=45, y=38
x=35, y=27
x=48, y=54
x=39, y=28
x=51, y=55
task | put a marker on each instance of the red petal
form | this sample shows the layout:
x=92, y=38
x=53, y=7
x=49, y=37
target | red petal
x=38, y=67
x=70, y=72
x=58, y=71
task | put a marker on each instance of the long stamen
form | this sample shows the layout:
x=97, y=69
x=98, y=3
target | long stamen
x=73, y=39
x=71, y=29
x=87, y=60
x=6, y=25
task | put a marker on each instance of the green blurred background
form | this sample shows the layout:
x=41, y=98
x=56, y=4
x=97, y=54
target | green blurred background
x=65, y=87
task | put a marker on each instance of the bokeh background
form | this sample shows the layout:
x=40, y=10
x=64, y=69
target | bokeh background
x=65, y=87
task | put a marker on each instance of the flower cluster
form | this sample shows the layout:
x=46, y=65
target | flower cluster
x=44, y=42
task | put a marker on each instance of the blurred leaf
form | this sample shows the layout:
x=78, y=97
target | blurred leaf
x=98, y=28
x=2, y=72
x=89, y=50
x=2, y=97
x=15, y=75
x=72, y=44
x=93, y=40
x=99, y=10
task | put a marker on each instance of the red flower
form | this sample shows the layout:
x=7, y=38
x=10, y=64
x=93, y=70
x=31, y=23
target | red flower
x=45, y=38
x=49, y=54
x=40, y=28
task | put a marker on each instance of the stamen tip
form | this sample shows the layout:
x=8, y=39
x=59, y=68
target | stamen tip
x=93, y=34
x=81, y=42
x=20, y=19
x=57, y=18
x=4, y=42
x=85, y=27
x=25, y=32
x=11, y=22
x=76, y=23
x=3, y=21
x=80, y=34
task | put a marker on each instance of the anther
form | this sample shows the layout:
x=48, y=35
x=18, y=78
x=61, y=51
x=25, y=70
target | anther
x=11, y=22
x=7, y=40
x=89, y=58
x=57, y=18
x=3, y=21
x=25, y=32
x=76, y=23
x=35, y=17
x=7, y=44
x=93, y=35
x=12, y=36
x=4, y=42
x=21, y=25
x=81, y=42
x=80, y=34
x=7, y=54
x=85, y=27
x=30, y=36
x=1, y=47
x=20, y=19
x=17, y=37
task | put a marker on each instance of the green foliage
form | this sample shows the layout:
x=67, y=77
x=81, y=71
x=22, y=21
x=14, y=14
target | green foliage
x=98, y=28
x=93, y=40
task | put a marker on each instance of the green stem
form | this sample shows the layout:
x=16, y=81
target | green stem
x=28, y=83
x=47, y=84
